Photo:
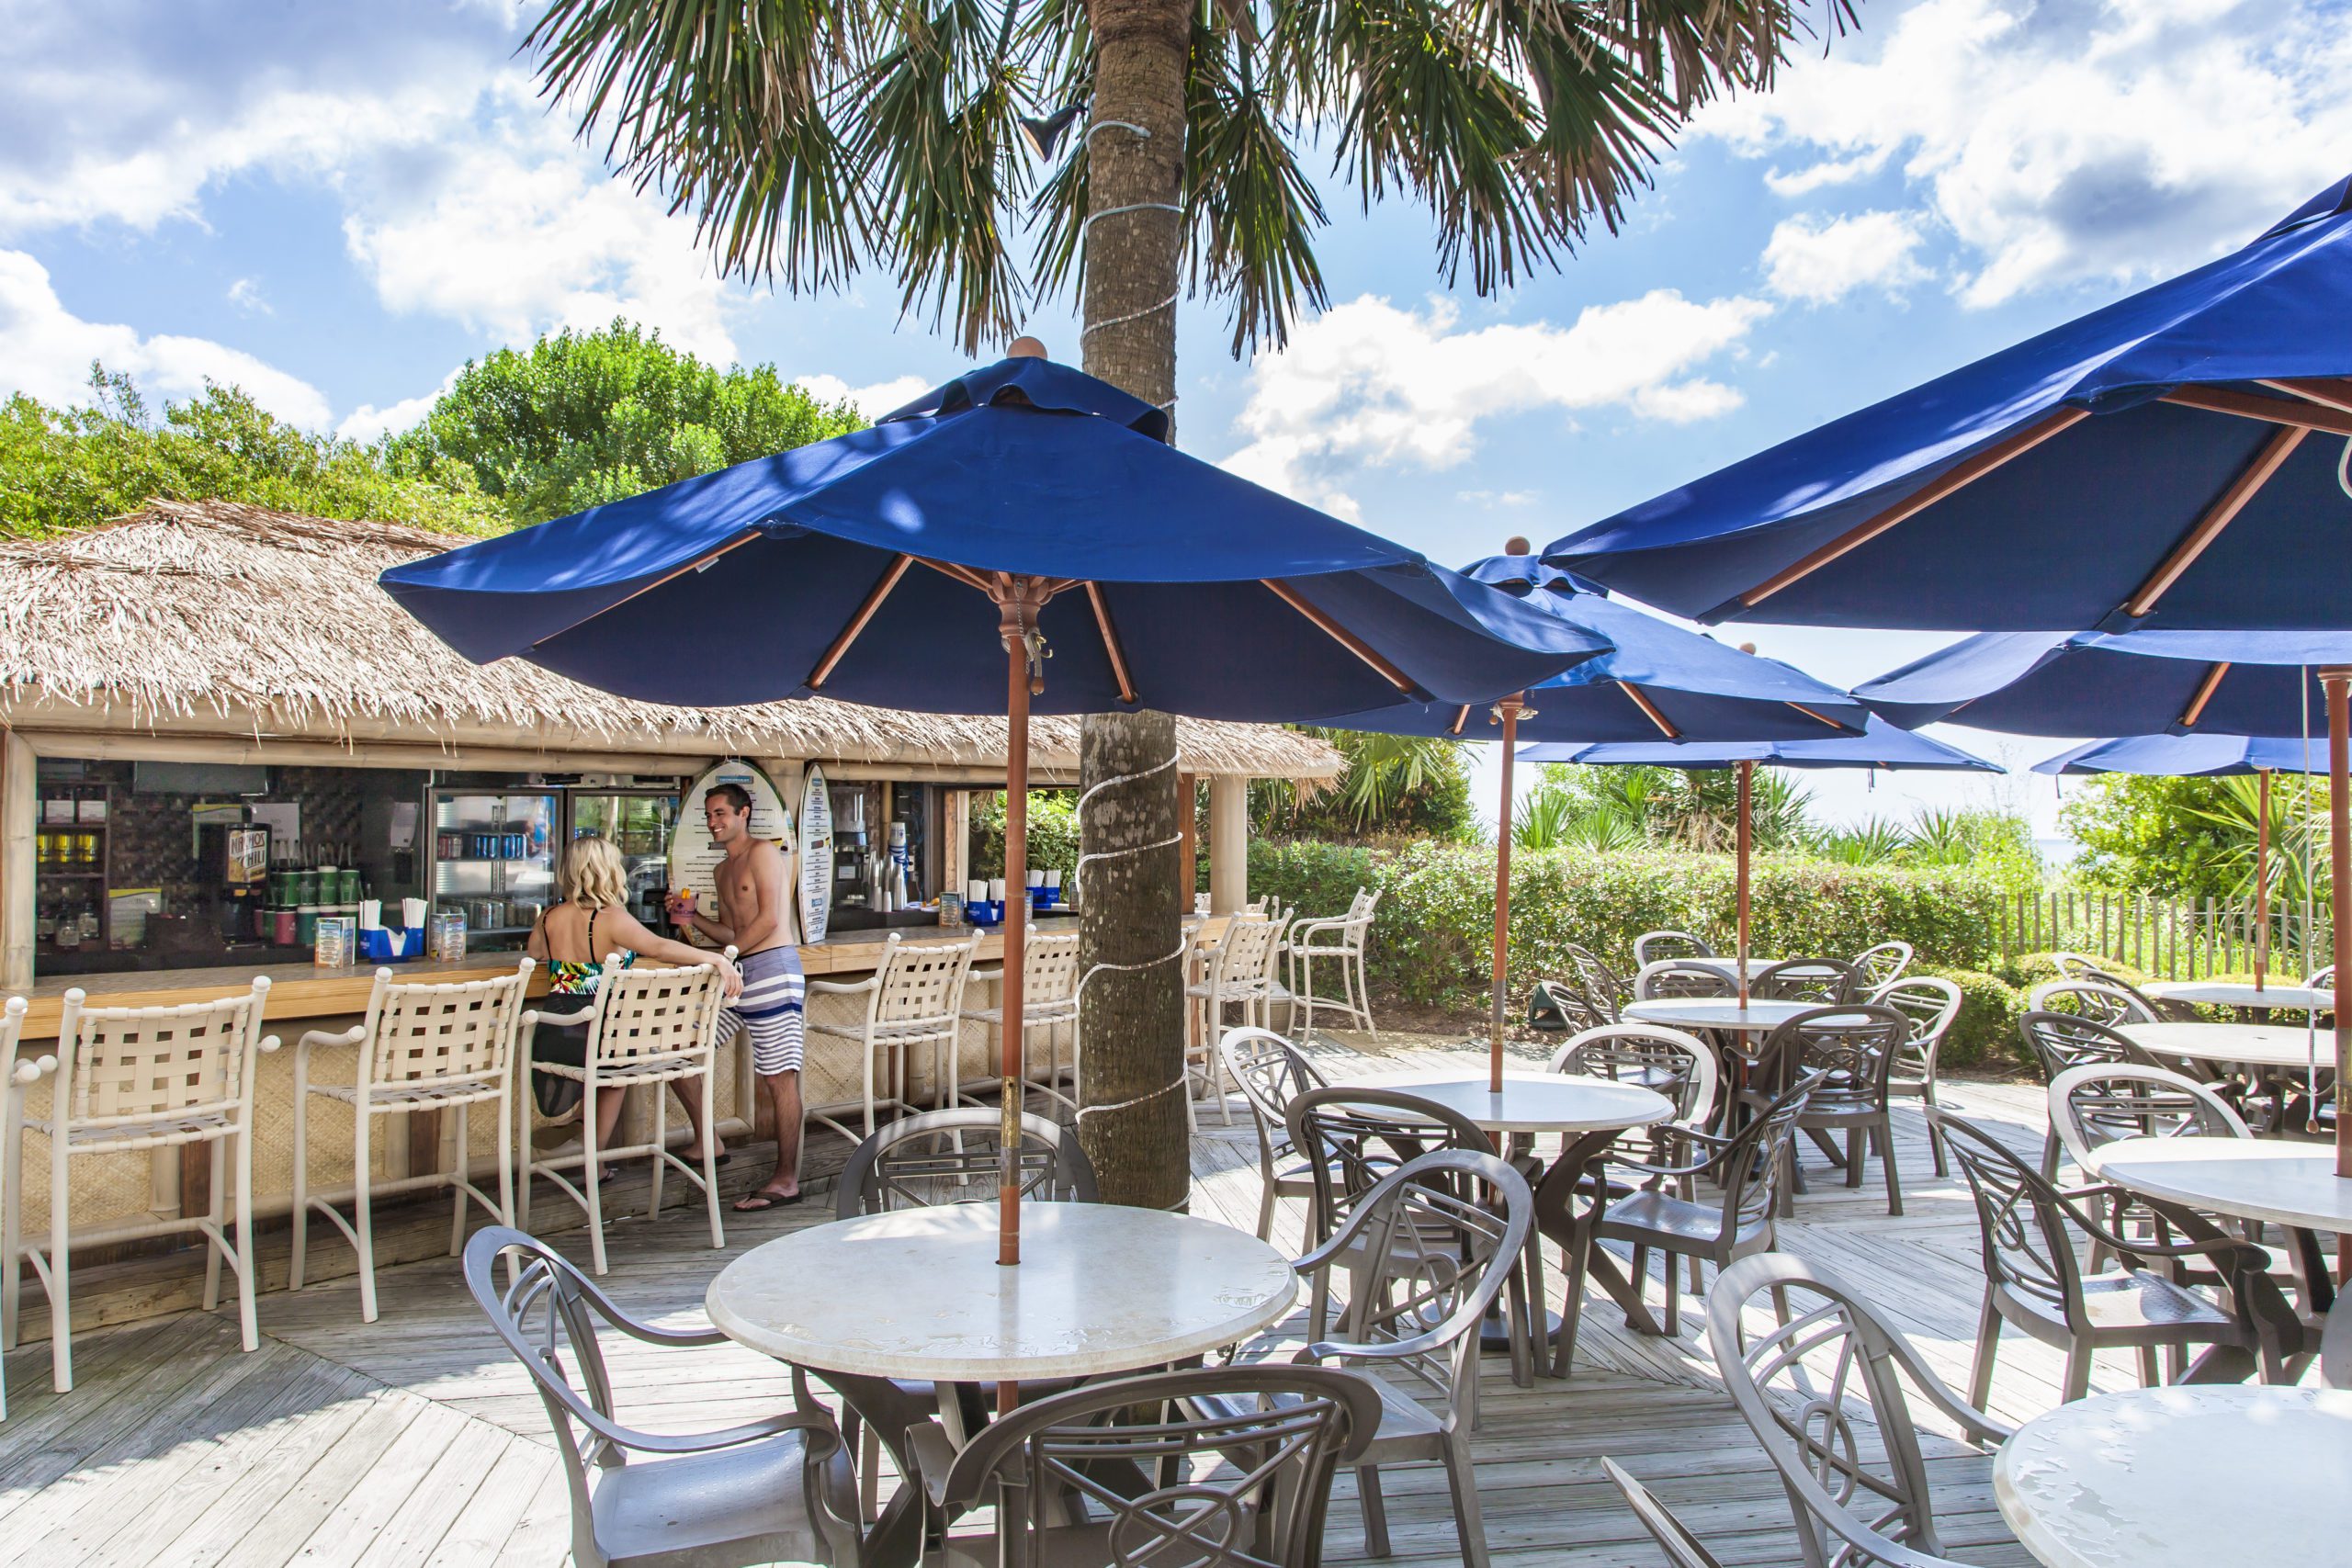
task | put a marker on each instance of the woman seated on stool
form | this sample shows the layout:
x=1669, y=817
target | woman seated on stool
x=573, y=938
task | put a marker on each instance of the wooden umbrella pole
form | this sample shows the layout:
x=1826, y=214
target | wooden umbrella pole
x=2262, y=877
x=1746, y=784
x=2338, y=686
x=1508, y=710
x=1018, y=601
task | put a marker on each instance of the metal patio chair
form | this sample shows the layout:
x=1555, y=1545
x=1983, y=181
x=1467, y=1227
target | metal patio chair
x=2058, y=1041
x=1217, y=1467
x=1272, y=1072
x=1850, y=1051
x=131, y=1080
x=1881, y=967
x=1677, y=979
x=1817, y=980
x=1683, y=1549
x=1929, y=1004
x=1342, y=941
x=2030, y=1235
x=1237, y=972
x=774, y=1490
x=425, y=1046
x=1652, y=946
x=1798, y=1385
x=1427, y=1251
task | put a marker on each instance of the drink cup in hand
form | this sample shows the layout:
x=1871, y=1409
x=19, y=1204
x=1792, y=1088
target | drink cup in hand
x=682, y=908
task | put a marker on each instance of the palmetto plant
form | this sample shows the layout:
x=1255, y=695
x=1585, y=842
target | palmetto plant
x=2298, y=840
x=811, y=138
x=1874, y=841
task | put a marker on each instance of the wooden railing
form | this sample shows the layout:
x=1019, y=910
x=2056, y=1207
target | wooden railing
x=2172, y=938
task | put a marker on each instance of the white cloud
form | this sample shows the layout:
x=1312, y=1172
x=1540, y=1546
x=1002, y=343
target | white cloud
x=2062, y=141
x=247, y=296
x=367, y=422
x=1367, y=383
x=873, y=401
x=45, y=351
x=1820, y=263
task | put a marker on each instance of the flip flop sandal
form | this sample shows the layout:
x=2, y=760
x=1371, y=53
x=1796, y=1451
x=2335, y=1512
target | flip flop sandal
x=754, y=1203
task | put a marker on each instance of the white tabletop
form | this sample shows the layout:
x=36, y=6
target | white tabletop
x=2202, y=1475
x=2255, y=1044
x=1715, y=1012
x=919, y=1293
x=1532, y=1102
x=2229, y=994
x=2254, y=1178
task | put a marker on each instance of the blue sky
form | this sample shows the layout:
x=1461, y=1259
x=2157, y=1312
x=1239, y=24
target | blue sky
x=336, y=205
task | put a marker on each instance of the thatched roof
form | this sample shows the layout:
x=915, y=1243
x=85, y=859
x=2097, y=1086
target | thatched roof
x=213, y=616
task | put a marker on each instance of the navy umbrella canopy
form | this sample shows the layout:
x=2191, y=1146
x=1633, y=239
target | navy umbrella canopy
x=851, y=566
x=2190, y=756
x=1023, y=506
x=1658, y=682
x=2100, y=683
x=2173, y=459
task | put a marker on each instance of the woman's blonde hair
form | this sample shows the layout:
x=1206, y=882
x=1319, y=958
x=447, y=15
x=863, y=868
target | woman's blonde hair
x=593, y=876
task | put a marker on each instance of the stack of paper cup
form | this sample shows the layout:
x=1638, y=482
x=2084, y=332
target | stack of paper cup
x=371, y=914
x=975, y=891
x=412, y=913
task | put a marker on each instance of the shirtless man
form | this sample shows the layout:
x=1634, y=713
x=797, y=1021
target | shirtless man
x=752, y=885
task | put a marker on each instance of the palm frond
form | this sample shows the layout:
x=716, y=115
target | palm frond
x=1252, y=212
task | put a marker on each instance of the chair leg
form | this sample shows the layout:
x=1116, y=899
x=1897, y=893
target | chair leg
x=2049, y=1156
x=219, y=1216
x=297, y=1263
x=1935, y=1139
x=660, y=1146
x=1988, y=1343
x=2078, y=1372
x=2149, y=1376
x=457, y=1198
x=1376, y=1512
x=1673, y=1297
x=1579, y=1255
x=248, y=1321
x=60, y=1267
x=869, y=1482
x=1266, y=1210
x=363, y=1212
x=1469, y=1521
x=12, y=1239
x=709, y=1133
x=505, y=1151
x=1884, y=1133
x=590, y=1170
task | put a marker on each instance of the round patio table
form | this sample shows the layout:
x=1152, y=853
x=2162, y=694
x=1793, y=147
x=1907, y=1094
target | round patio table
x=2282, y=1183
x=1715, y=1012
x=2248, y=1044
x=2231, y=994
x=918, y=1295
x=2139, y=1479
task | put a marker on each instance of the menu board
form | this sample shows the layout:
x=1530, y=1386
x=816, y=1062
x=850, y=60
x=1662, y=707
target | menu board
x=693, y=859
x=816, y=856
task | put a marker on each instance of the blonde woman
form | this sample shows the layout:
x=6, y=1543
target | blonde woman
x=573, y=938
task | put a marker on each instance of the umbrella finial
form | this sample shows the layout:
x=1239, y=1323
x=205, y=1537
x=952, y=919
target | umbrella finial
x=1517, y=545
x=1026, y=347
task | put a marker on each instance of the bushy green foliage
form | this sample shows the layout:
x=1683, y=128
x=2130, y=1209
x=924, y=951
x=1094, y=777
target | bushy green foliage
x=1430, y=942
x=62, y=469
x=1053, y=832
x=2195, y=838
x=1983, y=1033
x=582, y=418
x=1393, y=785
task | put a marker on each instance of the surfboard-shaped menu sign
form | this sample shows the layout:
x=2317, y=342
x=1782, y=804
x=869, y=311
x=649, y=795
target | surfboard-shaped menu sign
x=816, y=856
x=693, y=859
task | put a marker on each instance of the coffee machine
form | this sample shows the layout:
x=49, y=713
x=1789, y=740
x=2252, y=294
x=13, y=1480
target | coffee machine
x=232, y=863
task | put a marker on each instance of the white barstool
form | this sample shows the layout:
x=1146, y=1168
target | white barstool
x=1048, y=1001
x=131, y=1079
x=1340, y=940
x=646, y=1026
x=1237, y=972
x=914, y=998
x=422, y=1047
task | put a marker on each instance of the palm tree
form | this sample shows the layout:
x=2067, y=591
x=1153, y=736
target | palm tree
x=811, y=140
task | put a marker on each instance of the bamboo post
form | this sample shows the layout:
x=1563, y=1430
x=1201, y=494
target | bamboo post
x=1508, y=711
x=2337, y=683
x=1188, y=863
x=2262, y=877
x=1746, y=786
x=20, y=828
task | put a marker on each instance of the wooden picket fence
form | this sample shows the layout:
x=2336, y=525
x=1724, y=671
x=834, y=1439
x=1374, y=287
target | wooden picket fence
x=2171, y=939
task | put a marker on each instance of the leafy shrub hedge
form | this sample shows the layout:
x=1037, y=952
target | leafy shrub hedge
x=1984, y=1034
x=1432, y=941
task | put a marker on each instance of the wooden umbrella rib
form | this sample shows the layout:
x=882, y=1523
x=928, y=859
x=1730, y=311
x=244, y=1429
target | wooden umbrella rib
x=2218, y=516
x=2196, y=708
x=1338, y=633
x=865, y=611
x=1817, y=718
x=1642, y=701
x=1461, y=718
x=2327, y=394
x=1958, y=478
x=1111, y=642
x=2299, y=415
x=962, y=574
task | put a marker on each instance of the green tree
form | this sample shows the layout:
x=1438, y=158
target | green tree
x=2195, y=838
x=809, y=141
x=68, y=467
x=1392, y=785
x=582, y=418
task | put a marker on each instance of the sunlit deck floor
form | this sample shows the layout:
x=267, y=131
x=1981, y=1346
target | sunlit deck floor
x=415, y=1440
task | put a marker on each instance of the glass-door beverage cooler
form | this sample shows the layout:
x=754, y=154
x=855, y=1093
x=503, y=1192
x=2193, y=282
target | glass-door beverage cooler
x=493, y=859
x=639, y=822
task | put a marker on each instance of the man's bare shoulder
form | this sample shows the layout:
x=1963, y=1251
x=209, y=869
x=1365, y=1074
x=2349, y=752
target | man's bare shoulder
x=767, y=856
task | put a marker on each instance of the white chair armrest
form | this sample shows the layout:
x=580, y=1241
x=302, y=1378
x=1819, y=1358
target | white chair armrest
x=532, y=1018
x=269, y=1043
x=846, y=988
x=315, y=1038
x=31, y=1070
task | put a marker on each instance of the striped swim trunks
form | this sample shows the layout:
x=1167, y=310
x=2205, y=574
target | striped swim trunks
x=770, y=1010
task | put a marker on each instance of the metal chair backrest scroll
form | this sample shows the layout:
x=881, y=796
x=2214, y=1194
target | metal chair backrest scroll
x=2094, y=999
x=2063, y=1040
x=1247, y=1486
x=1857, y=1479
x=548, y=1316
x=1352, y=1137
x=951, y=1157
x=1605, y=990
x=1652, y=946
x=1817, y=980
x=1852, y=1048
x=1678, y=1066
x=1881, y=967
x=1929, y=1003
x=1683, y=978
x=2095, y=1106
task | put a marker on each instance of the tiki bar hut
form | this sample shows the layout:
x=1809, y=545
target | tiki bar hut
x=220, y=734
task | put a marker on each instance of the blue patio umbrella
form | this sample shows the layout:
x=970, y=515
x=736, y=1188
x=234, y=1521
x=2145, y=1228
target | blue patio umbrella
x=1023, y=506
x=2253, y=682
x=2205, y=755
x=1659, y=683
x=2180, y=460
x=1881, y=745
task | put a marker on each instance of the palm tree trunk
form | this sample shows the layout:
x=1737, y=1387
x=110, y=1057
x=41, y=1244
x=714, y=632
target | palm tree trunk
x=1131, y=1011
